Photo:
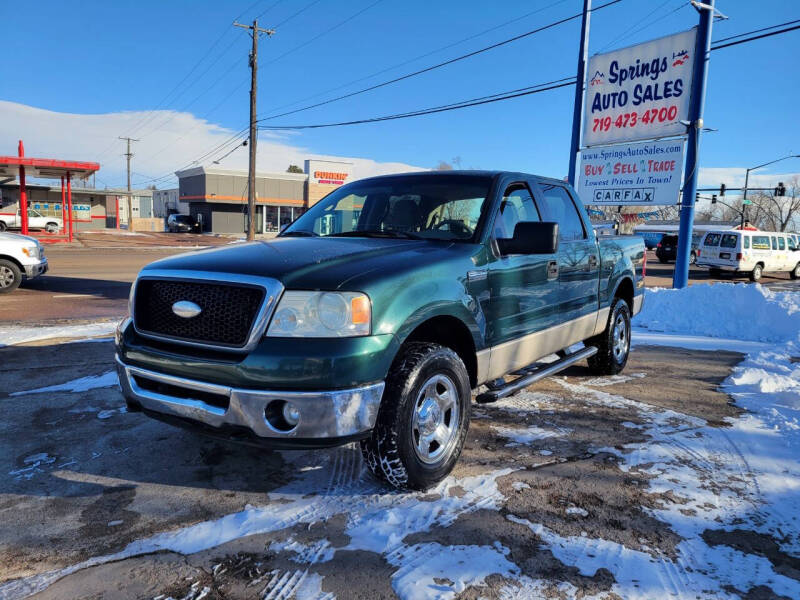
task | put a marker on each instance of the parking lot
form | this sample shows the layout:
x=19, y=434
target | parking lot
x=647, y=484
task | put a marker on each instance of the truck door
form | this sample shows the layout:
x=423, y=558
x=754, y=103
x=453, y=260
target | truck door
x=578, y=262
x=523, y=288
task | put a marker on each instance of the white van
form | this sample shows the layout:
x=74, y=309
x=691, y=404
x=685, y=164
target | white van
x=751, y=252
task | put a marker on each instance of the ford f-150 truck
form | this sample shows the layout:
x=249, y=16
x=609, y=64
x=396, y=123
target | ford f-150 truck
x=21, y=258
x=376, y=313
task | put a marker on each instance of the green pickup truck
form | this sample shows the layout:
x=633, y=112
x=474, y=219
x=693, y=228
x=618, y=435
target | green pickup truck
x=376, y=314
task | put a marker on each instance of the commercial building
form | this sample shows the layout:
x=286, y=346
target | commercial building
x=218, y=197
x=165, y=203
x=91, y=208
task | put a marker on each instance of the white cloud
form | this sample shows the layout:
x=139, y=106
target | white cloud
x=169, y=140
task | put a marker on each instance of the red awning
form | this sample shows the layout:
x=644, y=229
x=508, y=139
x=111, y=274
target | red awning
x=46, y=168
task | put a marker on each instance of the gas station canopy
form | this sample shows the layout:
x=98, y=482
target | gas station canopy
x=46, y=168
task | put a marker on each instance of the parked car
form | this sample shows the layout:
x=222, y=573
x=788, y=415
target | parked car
x=667, y=248
x=36, y=220
x=374, y=315
x=21, y=258
x=750, y=252
x=183, y=223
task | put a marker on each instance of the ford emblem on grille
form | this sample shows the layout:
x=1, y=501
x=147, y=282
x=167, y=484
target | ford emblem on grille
x=186, y=309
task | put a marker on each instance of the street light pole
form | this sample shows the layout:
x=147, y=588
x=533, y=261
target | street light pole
x=747, y=180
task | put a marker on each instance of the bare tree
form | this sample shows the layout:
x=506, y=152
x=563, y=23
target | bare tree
x=776, y=213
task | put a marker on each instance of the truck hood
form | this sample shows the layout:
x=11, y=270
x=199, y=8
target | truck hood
x=311, y=263
x=16, y=237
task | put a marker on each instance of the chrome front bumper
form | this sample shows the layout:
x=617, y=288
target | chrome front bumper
x=32, y=271
x=323, y=414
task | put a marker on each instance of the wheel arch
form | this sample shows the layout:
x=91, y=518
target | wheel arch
x=13, y=260
x=625, y=291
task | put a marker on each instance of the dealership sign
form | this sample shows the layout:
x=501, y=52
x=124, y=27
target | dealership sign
x=640, y=92
x=640, y=174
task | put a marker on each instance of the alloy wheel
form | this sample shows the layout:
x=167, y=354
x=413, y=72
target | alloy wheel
x=435, y=420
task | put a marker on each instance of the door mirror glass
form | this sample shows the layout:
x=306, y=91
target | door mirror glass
x=531, y=238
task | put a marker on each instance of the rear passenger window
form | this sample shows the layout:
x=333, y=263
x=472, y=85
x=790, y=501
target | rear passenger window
x=774, y=243
x=517, y=205
x=712, y=239
x=781, y=243
x=746, y=241
x=760, y=242
x=729, y=240
x=561, y=209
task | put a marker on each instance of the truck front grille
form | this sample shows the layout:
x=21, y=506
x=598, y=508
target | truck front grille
x=228, y=311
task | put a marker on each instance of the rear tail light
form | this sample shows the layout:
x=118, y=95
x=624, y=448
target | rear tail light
x=698, y=253
x=738, y=256
x=658, y=245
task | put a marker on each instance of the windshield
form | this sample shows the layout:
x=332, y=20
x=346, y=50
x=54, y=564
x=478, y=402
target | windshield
x=441, y=207
x=183, y=218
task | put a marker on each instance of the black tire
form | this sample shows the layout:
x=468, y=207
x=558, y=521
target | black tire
x=3, y=226
x=51, y=228
x=611, y=358
x=10, y=276
x=391, y=451
x=692, y=258
x=795, y=273
x=756, y=273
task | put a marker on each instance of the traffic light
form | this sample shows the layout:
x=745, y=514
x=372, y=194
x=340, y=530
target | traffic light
x=713, y=198
x=781, y=189
x=722, y=189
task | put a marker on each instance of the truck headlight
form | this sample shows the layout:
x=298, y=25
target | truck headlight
x=31, y=251
x=321, y=314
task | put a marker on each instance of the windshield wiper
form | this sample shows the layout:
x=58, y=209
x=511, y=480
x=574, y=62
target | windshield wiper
x=299, y=233
x=377, y=233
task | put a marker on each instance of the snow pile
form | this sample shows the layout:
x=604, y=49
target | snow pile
x=22, y=335
x=723, y=310
x=82, y=384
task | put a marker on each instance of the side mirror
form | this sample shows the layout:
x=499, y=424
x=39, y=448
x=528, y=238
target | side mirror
x=531, y=237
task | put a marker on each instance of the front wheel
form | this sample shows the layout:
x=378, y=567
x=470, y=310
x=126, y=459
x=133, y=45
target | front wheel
x=755, y=274
x=795, y=273
x=10, y=276
x=614, y=344
x=3, y=226
x=423, y=420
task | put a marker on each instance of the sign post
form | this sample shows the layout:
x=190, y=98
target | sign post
x=680, y=278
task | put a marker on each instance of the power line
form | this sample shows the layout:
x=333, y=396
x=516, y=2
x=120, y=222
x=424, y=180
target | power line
x=755, y=37
x=733, y=37
x=299, y=12
x=535, y=89
x=421, y=56
x=444, y=63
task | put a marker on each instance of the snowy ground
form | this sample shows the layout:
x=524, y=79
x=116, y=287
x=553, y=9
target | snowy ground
x=677, y=479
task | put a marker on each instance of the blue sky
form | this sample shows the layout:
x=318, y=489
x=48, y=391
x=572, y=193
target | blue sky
x=103, y=58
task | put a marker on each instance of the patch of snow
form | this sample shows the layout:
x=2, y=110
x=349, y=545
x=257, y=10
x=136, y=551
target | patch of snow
x=748, y=312
x=82, y=384
x=107, y=414
x=115, y=523
x=318, y=552
x=577, y=510
x=432, y=571
x=523, y=436
x=10, y=336
x=520, y=485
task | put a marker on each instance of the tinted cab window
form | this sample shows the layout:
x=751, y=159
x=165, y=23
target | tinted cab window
x=712, y=239
x=561, y=209
x=517, y=206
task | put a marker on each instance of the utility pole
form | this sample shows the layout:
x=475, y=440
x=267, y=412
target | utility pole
x=255, y=31
x=577, y=112
x=128, y=155
x=680, y=278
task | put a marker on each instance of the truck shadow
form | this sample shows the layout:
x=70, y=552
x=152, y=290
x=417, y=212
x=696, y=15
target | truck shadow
x=101, y=288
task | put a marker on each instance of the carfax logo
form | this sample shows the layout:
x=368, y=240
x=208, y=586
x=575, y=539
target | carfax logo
x=679, y=58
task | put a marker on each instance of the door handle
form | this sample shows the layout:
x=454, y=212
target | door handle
x=592, y=261
x=552, y=269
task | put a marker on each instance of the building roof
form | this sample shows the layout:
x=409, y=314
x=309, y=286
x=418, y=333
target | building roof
x=239, y=173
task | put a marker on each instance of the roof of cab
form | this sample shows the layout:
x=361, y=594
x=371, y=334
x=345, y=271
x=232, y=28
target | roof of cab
x=464, y=172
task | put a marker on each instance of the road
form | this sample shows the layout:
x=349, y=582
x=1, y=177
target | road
x=88, y=479
x=93, y=283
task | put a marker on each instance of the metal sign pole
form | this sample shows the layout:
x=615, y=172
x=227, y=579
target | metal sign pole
x=700, y=71
x=577, y=112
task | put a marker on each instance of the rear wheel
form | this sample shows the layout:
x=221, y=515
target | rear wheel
x=692, y=258
x=3, y=226
x=51, y=227
x=423, y=420
x=795, y=273
x=756, y=273
x=614, y=344
x=10, y=276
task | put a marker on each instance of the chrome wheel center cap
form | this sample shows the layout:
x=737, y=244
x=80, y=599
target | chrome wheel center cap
x=430, y=415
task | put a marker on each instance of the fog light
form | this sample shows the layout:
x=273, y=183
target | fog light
x=291, y=414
